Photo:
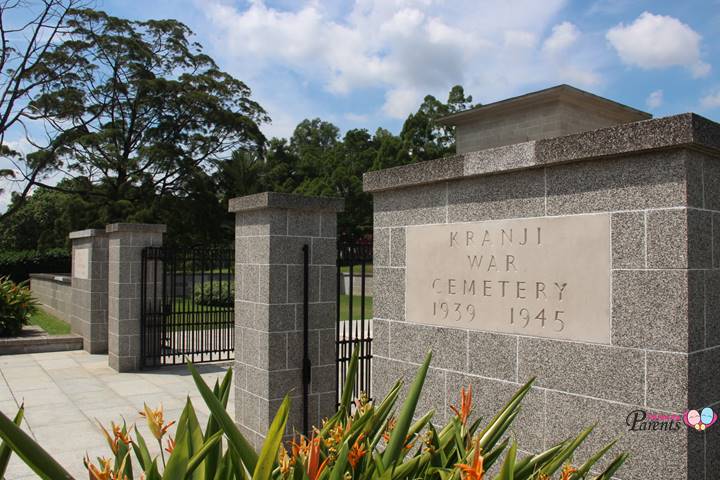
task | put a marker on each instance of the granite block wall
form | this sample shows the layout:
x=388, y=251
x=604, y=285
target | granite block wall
x=665, y=304
x=90, y=289
x=125, y=244
x=54, y=293
x=270, y=232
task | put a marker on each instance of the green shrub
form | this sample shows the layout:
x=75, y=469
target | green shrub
x=19, y=264
x=363, y=440
x=16, y=306
x=214, y=294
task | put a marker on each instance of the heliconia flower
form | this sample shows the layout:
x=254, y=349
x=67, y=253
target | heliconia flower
x=285, y=461
x=357, y=452
x=567, y=472
x=170, y=445
x=301, y=447
x=314, y=467
x=105, y=472
x=362, y=403
x=102, y=473
x=474, y=471
x=465, y=405
x=155, y=421
x=389, y=428
x=117, y=436
x=409, y=444
x=427, y=440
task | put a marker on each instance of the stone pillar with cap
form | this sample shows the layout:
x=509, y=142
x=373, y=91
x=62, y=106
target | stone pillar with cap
x=90, y=288
x=271, y=230
x=125, y=244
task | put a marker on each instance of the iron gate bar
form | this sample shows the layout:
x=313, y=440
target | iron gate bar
x=306, y=366
x=174, y=323
x=350, y=332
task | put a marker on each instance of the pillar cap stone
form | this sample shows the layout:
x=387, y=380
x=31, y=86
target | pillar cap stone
x=90, y=232
x=136, y=227
x=287, y=201
x=687, y=130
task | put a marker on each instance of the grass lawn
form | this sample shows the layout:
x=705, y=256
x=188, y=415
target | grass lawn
x=345, y=307
x=357, y=269
x=52, y=325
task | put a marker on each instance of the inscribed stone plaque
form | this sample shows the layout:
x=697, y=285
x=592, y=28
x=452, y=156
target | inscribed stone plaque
x=546, y=277
x=81, y=263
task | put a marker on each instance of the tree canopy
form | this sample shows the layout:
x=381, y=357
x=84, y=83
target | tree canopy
x=145, y=125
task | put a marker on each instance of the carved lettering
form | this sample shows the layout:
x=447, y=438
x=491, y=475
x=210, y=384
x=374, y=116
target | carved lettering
x=546, y=277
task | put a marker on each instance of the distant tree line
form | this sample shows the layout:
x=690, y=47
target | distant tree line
x=146, y=128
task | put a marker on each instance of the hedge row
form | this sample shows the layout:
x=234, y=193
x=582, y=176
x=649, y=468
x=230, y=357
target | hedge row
x=19, y=264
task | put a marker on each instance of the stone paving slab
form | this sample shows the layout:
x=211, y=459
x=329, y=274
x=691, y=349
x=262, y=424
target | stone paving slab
x=66, y=392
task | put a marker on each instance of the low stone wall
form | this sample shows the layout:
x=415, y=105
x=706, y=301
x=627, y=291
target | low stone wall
x=54, y=293
x=34, y=339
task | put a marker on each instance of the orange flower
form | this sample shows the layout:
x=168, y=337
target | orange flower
x=465, y=405
x=285, y=461
x=300, y=447
x=389, y=428
x=336, y=435
x=155, y=421
x=105, y=472
x=474, y=471
x=117, y=436
x=357, y=452
x=409, y=444
x=314, y=467
x=102, y=473
x=567, y=472
x=170, y=445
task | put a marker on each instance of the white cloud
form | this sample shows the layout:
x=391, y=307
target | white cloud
x=403, y=48
x=563, y=36
x=655, y=99
x=399, y=102
x=356, y=117
x=712, y=100
x=658, y=41
x=519, y=39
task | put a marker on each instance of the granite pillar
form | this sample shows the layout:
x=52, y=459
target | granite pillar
x=89, y=317
x=125, y=244
x=270, y=232
x=657, y=183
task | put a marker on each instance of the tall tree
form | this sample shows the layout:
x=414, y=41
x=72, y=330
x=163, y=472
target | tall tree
x=29, y=31
x=144, y=108
x=422, y=135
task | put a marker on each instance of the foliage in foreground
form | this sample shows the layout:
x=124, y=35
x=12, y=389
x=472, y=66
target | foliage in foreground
x=362, y=440
x=16, y=306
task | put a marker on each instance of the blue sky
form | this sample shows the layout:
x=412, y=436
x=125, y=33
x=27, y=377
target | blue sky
x=368, y=63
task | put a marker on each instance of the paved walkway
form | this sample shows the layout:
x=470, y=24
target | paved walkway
x=64, y=392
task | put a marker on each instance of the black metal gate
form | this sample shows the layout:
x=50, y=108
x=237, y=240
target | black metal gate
x=354, y=313
x=187, y=305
